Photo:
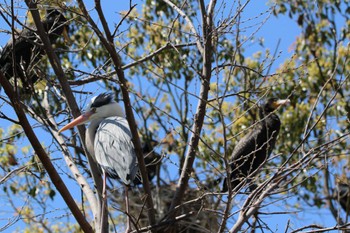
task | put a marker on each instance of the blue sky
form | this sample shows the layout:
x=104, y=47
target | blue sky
x=281, y=29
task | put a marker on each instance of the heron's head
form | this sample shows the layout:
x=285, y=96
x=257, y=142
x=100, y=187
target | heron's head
x=100, y=107
x=273, y=103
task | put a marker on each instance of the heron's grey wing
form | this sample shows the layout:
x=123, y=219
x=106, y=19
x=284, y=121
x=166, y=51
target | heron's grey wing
x=114, y=150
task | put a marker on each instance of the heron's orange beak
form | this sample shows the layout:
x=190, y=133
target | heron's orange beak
x=280, y=102
x=77, y=121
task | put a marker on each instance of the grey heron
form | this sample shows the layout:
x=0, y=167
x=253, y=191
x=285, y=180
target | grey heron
x=108, y=140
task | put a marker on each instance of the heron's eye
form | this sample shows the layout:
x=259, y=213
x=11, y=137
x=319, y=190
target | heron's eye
x=93, y=110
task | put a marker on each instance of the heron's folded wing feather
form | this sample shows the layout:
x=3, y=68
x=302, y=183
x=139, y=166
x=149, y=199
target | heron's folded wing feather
x=114, y=149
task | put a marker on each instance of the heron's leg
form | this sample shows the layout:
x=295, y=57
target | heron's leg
x=104, y=197
x=128, y=225
x=104, y=194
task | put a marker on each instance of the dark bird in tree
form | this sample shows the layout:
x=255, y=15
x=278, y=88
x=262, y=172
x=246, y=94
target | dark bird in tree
x=152, y=162
x=343, y=196
x=27, y=50
x=253, y=150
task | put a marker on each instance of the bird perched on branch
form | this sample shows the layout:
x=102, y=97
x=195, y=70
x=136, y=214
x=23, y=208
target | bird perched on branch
x=152, y=161
x=26, y=49
x=253, y=150
x=108, y=141
x=343, y=196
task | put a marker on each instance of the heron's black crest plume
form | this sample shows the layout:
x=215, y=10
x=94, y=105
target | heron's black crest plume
x=102, y=99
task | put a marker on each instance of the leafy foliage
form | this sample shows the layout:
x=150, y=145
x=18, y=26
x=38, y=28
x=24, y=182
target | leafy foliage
x=160, y=54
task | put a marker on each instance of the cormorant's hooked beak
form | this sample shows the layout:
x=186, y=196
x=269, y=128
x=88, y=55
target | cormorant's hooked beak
x=78, y=121
x=278, y=103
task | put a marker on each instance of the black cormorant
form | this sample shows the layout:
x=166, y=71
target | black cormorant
x=152, y=162
x=254, y=148
x=27, y=49
x=344, y=196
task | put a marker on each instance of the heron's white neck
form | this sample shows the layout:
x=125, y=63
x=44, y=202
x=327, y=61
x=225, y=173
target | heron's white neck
x=90, y=135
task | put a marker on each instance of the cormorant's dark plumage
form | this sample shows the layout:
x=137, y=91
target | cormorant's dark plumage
x=344, y=196
x=152, y=162
x=26, y=50
x=254, y=148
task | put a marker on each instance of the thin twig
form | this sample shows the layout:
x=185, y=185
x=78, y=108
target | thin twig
x=8, y=175
x=189, y=21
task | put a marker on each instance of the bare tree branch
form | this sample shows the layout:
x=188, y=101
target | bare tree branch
x=55, y=62
x=149, y=56
x=200, y=113
x=189, y=21
x=56, y=179
x=109, y=45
